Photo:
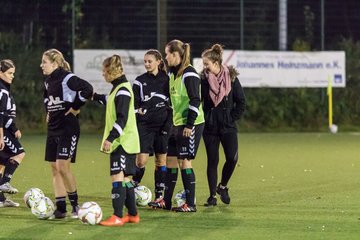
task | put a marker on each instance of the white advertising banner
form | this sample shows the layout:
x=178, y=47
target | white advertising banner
x=284, y=69
x=88, y=65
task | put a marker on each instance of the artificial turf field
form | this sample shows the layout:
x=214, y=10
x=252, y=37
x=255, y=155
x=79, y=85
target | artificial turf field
x=286, y=186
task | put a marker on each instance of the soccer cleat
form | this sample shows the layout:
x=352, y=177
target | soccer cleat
x=114, y=221
x=7, y=188
x=58, y=215
x=9, y=203
x=132, y=219
x=75, y=211
x=184, y=208
x=158, y=203
x=224, y=193
x=211, y=201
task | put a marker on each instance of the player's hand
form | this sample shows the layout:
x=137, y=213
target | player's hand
x=187, y=132
x=106, y=146
x=73, y=111
x=141, y=111
x=2, y=144
x=18, y=134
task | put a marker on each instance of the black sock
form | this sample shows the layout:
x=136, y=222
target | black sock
x=159, y=177
x=2, y=196
x=10, y=167
x=188, y=177
x=61, y=204
x=118, y=198
x=138, y=175
x=73, y=197
x=130, y=199
x=170, y=182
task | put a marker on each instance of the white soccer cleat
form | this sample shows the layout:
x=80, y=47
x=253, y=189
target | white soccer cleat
x=7, y=188
x=9, y=203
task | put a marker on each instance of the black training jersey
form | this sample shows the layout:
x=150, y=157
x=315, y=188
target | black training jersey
x=63, y=90
x=7, y=108
x=151, y=94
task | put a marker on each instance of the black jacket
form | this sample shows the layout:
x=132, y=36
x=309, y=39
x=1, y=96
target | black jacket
x=222, y=118
x=151, y=94
x=63, y=90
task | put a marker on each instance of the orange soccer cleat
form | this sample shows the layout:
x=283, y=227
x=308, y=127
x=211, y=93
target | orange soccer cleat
x=132, y=219
x=114, y=221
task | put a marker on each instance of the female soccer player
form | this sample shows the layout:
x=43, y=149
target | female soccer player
x=154, y=117
x=64, y=94
x=11, y=151
x=188, y=121
x=120, y=140
x=224, y=103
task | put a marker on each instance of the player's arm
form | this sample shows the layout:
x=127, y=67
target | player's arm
x=122, y=104
x=3, y=101
x=137, y=94
x=192, y=84
x=239, y=100
x=100, y=98
x=84, y=90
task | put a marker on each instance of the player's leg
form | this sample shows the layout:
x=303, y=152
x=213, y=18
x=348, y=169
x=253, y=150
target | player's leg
x=118, y=165
x=187, y=149
x=171, y=173
x=160, y=175
x=64, y=168
x=160, y=148
x=16, y=154
x=229, y=142
x=132, y=216
x=141, y=160
x=146, y=137
x=59, y=191
x=212, y=143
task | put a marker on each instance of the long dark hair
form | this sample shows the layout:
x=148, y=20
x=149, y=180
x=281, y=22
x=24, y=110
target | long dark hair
x=158, y=56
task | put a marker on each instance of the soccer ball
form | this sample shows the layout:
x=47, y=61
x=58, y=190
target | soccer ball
x=333, y=128
x=33, y=195
x=142, y=195
x=180, y=198
x=43, y=208
x=90, y=213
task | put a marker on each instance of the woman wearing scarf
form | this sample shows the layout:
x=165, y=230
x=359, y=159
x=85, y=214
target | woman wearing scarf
x=223, y=104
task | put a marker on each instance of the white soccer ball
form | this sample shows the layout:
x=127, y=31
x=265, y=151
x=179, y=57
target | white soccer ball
x=333, y=128
x=33, y=195
x=180, y=198
x=43, y=208
x=143, y=195
x=90, y=213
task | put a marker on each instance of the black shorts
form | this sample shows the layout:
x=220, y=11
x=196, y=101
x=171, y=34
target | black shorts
x=186, y=147
x=152, y=141
x=12, y=147
x=121, y=161
x=61, y=147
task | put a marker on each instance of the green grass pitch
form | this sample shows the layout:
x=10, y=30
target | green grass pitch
x=286, y=186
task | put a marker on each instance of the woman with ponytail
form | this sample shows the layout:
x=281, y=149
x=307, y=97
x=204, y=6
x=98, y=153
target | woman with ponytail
x=64, y=94
x=224, y=103
x=120, y=141
x=188, y=121
x=154, y=118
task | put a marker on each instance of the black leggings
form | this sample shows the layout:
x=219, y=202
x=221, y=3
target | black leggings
x=229, y=142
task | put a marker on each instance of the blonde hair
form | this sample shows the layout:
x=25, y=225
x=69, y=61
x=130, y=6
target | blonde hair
x=184, y=51
x=113, y=66
x=6, y=64
x=56, y=56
